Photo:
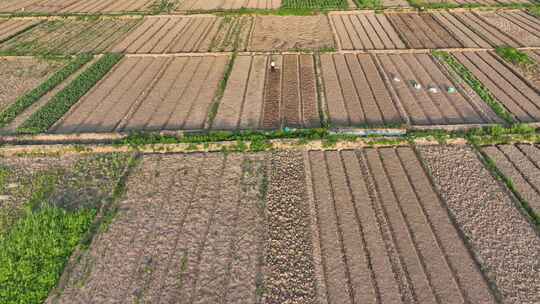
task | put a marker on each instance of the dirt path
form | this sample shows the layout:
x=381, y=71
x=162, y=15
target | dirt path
x=519, y=164
x=385, y=235
x=504, y=243
x=197, y=238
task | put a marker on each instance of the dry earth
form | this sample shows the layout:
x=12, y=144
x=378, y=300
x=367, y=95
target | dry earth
x=75, y=6
x=20, y=75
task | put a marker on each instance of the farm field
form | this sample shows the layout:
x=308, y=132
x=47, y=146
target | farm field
x=70, y=36
x=10, y=28
x=519, y=163
x=259, y=98
x=218, y=5
x=75, y=6
x=147, y=93
x=20, y=75
x=478, y=2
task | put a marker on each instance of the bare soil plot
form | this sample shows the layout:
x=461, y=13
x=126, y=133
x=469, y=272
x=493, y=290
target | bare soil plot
x=75, y=6
x=504, y=242
x=365, y=31
x=20, y=75
x=70, y=36
x=149, y=93
x=515, y=29
x=187, y=34
x=291, y=33
x=259, y=97
x=422, y=31
x=461, y=31
x=11, y=27
x=219, y=5
x=514, y=93
x=521, y=164
x=203, y=234
x=532, y=73
x=356, y=93
x=480, y=2
x=384, y=234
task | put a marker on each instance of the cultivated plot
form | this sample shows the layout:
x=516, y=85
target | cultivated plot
x=187, y=34
x=365, y=31
x=384, y=233
x=70, y=36
x=356, y=93
x=12, y=27
x=532, y=73
x=291, y=33
x=219, y=5
x=504, y=242
x=20, y=75
x=261, y=97
x=75, y=6
x=479, y=2
x=149, y=93
x=514, y=93
x=521, y=164
x=200, y=235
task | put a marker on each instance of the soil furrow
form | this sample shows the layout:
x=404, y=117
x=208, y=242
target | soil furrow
x=352, y=101
x=308, y=92
x=253, y=100
x=272, y=96
x=292, y=116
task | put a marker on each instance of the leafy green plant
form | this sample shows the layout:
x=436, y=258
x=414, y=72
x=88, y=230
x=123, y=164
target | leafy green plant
x=35, y=250
x=514, y=56
x=45, y=117
x=475, y=84
x=371, y=4
x=28, y=99
x=314, y=4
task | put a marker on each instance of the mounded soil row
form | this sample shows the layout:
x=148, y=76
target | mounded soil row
x=198, y=235
x=168, y=93
x=291, y=33
x=12, y=27
x=515, y=94
x=504, y=242
x=201, y=5
x=365, y=31
x=517, y=25
x=20, y=75
x=521, y=164
x=187, y=34
x=421, y=31
x=70, y=36
x=256, y=97
x=385, y=236
x=75, y=6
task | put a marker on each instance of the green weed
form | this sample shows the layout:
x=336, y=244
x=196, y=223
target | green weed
x=314, y=4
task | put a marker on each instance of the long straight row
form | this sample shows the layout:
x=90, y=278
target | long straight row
x=338, y=30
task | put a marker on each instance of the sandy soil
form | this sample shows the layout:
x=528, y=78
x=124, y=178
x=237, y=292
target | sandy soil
x=505, y=244
x=19, y=76
x=197, y=237
x=291, y=32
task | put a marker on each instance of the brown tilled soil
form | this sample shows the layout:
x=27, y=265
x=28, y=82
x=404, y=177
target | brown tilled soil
x=75, y=6
x=21, y=75
x=291, y=32
x=384, y=234
x=254, y=91
x=149, y=93
x=462, y=32
x=520, y=163
x=190, y=230
x=10, y=28
x=289, y=261
x=492, y=34
x=523, y=30
x=516, y=95
x=504, y=242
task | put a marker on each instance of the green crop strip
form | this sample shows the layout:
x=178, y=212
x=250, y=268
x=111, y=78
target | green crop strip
x=370, y=4
x=28, y=99
x=314, y=4
x=45, y=117
x=475, y=84
x=514, y=56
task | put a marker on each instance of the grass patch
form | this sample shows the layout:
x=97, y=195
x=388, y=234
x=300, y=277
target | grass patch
x=34, y=252
x=496, y=135
x=28, y=99
x=514, y=56
x=314, y=4
x=369, y=4
x=534, y=10
x=45, y=117
x=475, y=84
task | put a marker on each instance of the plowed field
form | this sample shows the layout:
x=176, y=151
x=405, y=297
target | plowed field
x=291, y=33
x=516, y=95
x=384, y=233
x=75, y=6
x=480, y=2
x=146, y=93
x=11, y=27
x=365, y=31
x=70, y=36
x=187, y=34
x=258, y=97
x=200, y=5
x=521, y=164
